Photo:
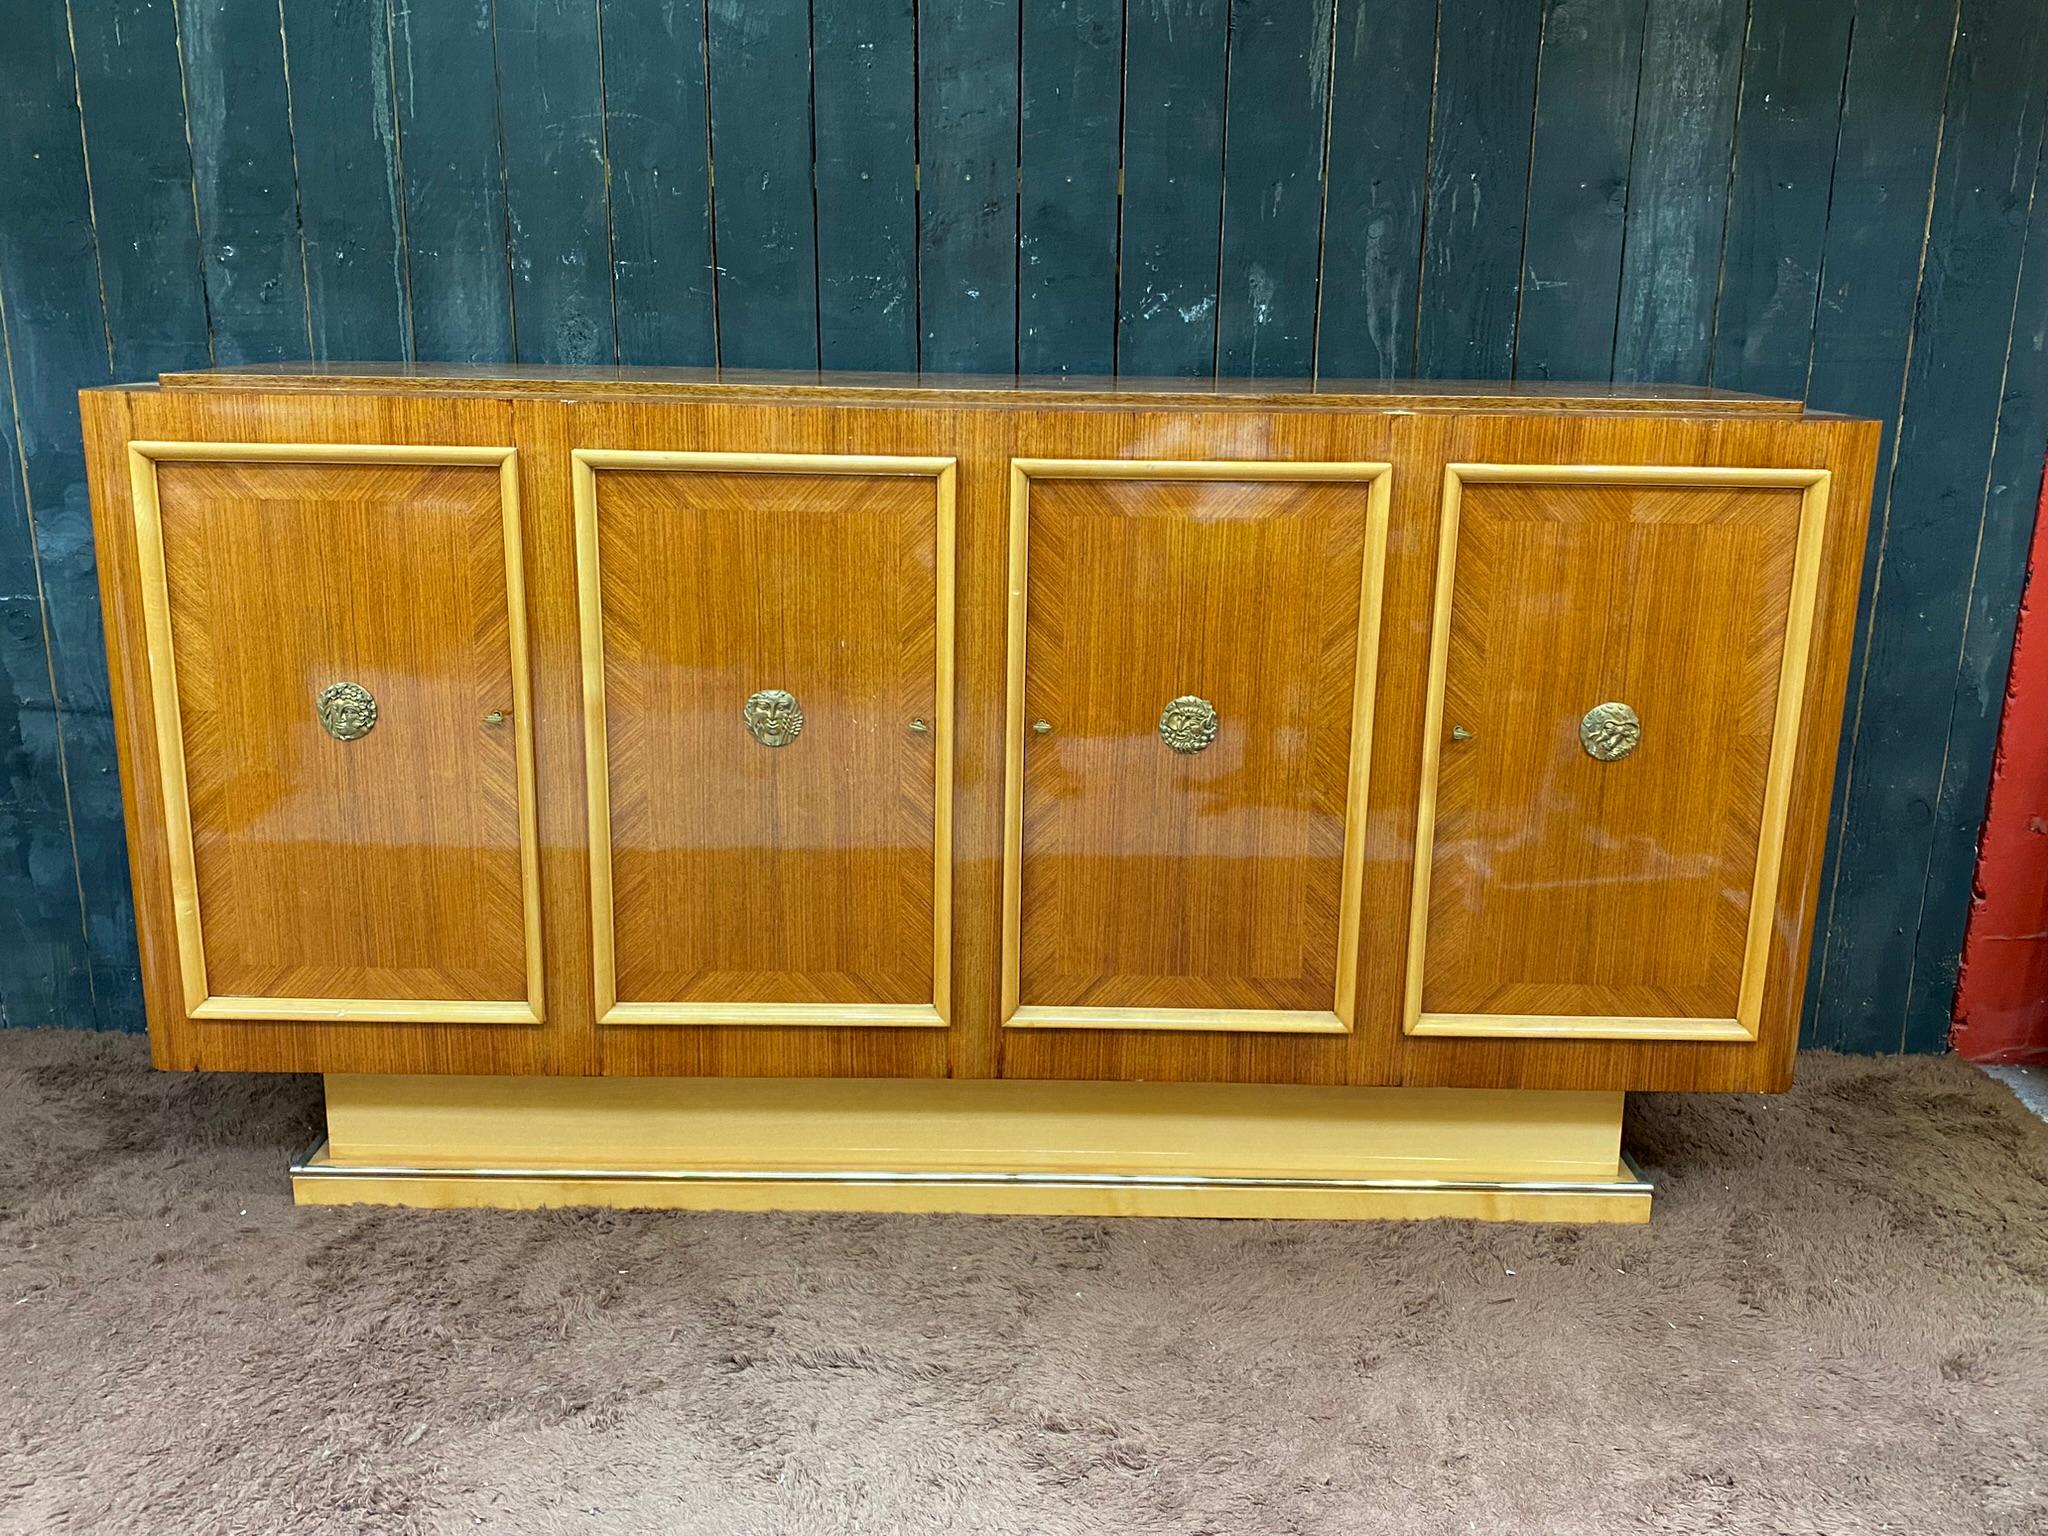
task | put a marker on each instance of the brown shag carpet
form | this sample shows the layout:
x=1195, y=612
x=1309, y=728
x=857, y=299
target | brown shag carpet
x=1837, y=1322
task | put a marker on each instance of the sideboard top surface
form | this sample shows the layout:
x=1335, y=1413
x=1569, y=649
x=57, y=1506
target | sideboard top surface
x=971, y=389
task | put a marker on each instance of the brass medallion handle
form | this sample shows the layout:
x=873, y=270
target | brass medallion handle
x=1188, y=724
x=773, y=717
x=1609, y=732
x=347, y=711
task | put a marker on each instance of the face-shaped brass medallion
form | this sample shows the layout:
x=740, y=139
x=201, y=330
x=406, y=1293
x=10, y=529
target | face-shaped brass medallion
x=347, y=711
x=1610, y=732
x=1188, y=724
x=773, y=717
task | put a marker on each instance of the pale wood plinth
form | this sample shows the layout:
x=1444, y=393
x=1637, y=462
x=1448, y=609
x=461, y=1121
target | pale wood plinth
x=993, y=1147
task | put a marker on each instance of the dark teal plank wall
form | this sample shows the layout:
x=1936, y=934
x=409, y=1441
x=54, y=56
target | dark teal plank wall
x=1835, y=198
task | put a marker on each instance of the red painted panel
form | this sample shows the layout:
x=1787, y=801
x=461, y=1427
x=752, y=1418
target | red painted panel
x=2002, y=996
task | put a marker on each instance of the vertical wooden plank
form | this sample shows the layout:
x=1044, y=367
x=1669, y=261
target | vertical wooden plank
x=345, y=132
x=55, y=344
x=1997, y=577
x=131, y=95
x=1175, y=70
x=1678, y=189
x=45, y=976
x=1383, y=78
x=245, y=179
x=967, y=205
x=551, y=90
x=1586, y=95
x=456, y=237
x=1975, y=242
x=1276, y=121
x=766, y=211
x=1477, y=190
x=1899, y=59
x=657, y=135
x=864, y=77
x=1069, y=155
x=1792, y=82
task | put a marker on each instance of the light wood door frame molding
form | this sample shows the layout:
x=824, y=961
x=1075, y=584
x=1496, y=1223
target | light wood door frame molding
x=1814, y=485
x=943, y=473
x=200, y=1003
x=1376, y=475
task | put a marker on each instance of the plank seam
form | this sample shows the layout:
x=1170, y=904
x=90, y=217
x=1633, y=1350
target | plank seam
x=1528, y=195
x=1838, y=815
x=1436, y=59
x=1017, y=196
x=1628, y=191
x=711, y=192
x=916, y=179
x=1976, y=558
x=291, y=139
x=1123, y=113
x=1728, y=192
x=402, y=205
x=504, y=185
x=1828, y=217
x=604, y=160
x=192, y=167
x=92, y=210
x=1223, y=186
x=1315, y=320
x=28, y=512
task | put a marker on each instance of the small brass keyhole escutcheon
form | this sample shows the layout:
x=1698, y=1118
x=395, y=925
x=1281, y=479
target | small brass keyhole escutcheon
x=1459, y=733
x=1188, y=724
x=348, y=712
x=495, y=717
x=1609, y=732
x=919, y=727
x=773, y=717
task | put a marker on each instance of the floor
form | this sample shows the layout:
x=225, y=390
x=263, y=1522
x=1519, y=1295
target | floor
x=2028, y=1084
x=1837, y=1322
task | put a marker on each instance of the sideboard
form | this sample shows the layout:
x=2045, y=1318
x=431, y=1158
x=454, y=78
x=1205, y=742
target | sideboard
x=753, y=790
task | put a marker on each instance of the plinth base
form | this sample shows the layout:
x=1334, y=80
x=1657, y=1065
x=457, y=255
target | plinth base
x=986, y=1147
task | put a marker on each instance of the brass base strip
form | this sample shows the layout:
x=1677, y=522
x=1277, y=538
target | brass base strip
x=317, y=1180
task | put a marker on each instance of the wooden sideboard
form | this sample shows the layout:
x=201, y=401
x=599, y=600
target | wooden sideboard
x=695, y=727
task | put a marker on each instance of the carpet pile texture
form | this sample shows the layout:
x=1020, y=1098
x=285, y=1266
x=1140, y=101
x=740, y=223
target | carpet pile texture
x=1837, y=1322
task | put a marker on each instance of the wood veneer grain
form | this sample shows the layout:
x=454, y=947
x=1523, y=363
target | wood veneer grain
x=547, y=417
x=251, y=1040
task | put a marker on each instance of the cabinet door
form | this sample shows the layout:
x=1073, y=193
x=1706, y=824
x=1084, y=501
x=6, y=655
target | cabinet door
x=1617, y=673
x=1191, y=674
x=767, y=655
x=337, y=662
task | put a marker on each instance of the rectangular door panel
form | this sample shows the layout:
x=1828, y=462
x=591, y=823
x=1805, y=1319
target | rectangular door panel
x=1617, y=675
x=1190, y=696
x=337, y=652
x=768, y=686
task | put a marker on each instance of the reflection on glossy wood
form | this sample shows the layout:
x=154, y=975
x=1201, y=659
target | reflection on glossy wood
x=1846, y=450
x=983, y=429
x=387, y=877
x=1150, y=888
x=1559, y=894
x=758, y=872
